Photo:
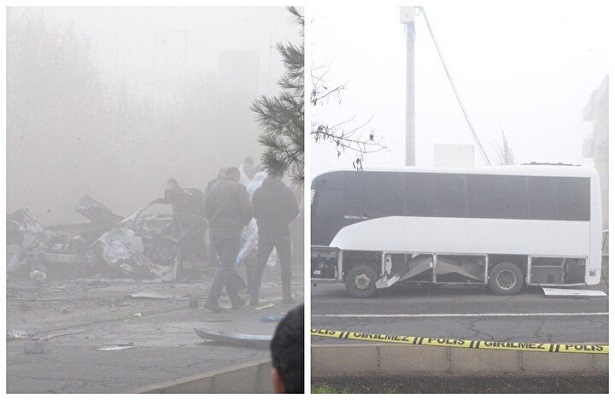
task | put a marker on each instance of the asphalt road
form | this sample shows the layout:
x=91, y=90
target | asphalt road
x=470, y=312
x=462, y=313
x=116, y=336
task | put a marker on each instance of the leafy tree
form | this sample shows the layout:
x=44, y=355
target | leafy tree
x=282, y=117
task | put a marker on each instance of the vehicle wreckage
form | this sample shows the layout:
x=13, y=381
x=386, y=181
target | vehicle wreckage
x=143, y=246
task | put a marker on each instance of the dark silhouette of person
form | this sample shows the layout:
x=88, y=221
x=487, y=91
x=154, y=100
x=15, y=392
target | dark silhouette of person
x=229, y=210
x=274, y=206
x=212, y=256
x=287, y=353
x=246, y=171
x=189, y=219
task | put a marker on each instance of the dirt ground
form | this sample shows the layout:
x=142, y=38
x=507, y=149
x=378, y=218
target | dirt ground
x=509, y=384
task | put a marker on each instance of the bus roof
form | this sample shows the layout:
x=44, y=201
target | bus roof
x=525, y=169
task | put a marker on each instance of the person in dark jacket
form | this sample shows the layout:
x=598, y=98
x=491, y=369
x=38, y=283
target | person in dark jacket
x=189, y=224
x=287, y=353
x=212, y=257
x=274, y=207
x=173, y=195
x=212, y=183
x=229, y=210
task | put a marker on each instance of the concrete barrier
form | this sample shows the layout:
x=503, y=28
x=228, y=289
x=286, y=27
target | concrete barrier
x=331, y=360
x=253, y=377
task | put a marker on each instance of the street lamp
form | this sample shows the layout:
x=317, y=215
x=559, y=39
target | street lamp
x=407, y=15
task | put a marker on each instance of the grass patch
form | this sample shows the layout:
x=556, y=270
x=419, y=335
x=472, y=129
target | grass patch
x=328, y=389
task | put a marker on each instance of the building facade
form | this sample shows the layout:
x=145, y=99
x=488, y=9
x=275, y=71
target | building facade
x=596, y=145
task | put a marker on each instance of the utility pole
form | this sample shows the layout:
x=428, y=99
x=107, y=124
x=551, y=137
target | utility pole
x=407, y=15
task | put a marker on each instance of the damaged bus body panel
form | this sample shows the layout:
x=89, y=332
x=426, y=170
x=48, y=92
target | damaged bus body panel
x=505, y=227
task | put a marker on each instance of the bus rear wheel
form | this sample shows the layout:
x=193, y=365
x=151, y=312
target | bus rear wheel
x=361, y=281
x=506, y=279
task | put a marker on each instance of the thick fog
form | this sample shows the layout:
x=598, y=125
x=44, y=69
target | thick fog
x=527, y=69
x=111, y=102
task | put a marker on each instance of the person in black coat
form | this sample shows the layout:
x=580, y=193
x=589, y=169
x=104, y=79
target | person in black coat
x=228, y=209
x=274, y=206
x=189, y=223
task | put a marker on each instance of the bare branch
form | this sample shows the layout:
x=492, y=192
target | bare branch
x=344, y=139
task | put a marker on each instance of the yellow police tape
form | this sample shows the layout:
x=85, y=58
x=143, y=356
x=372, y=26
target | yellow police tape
x=464, y=343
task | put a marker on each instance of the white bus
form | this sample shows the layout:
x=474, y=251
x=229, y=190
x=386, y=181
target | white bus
x=505, y=227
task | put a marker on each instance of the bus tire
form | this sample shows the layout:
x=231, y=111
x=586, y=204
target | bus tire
x=361, y=281
x=506, y=279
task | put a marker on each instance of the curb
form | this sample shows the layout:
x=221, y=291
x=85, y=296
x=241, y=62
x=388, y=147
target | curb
x=420, y=360
x=253, y=377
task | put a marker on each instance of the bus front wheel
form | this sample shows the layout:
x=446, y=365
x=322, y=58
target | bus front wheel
x=506, y=279
x=361, y=281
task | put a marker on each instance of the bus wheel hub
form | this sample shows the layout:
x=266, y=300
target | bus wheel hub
x=362, y=281
x=506, y=279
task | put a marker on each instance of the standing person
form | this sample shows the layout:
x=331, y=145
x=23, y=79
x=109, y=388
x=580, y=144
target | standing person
x=174, y=195
x=212, y=257
x=249, y=235
x=229, y=210
x=255, y=182
x=287, y=353
x=212, y=183
x=189, y=224
x=246, y=171
x=251, y=187
x=274, y=207
x=248, y=253
x=296, y=228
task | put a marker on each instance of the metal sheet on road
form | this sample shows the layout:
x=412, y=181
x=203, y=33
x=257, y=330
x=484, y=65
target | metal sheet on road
x=234, y=338
x=554, y=292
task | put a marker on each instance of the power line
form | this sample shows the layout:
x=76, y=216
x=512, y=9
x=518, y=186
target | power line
x=450, y=79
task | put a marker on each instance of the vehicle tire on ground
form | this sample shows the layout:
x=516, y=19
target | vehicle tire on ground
x=506, y=279
x=361, y=281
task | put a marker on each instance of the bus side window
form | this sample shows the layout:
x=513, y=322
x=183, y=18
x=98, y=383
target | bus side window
x=327, y=203
x=543, y=195
x=559, y=198
x=574, y=199
x=327, y=215
x=373, y=194
x=435, y=195
x=498, y=196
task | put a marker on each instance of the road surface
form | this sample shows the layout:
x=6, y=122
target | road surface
x=115, y=336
